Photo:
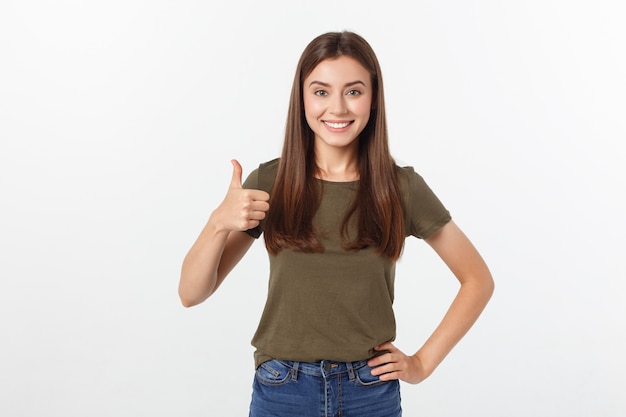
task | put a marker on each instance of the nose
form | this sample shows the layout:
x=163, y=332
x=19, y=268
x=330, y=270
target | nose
x=338, y=105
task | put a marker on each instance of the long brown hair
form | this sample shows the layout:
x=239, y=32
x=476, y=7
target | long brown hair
x=296, y=194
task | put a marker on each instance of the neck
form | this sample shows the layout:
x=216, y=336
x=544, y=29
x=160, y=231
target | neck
x=340, y=170
x=337, y=163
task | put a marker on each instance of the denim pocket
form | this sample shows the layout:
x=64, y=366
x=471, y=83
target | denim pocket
x=273, y=372
x=365, y=378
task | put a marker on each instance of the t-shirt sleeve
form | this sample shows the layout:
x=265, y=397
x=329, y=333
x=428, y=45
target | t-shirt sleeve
x=424, y=213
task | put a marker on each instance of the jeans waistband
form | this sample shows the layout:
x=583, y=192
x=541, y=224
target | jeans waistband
x=324, y=367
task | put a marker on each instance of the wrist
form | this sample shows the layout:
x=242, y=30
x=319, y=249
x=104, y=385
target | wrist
x=427, y=367
x=215, y=225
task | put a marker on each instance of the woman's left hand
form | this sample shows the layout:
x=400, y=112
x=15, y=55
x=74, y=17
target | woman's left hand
x=396, y=365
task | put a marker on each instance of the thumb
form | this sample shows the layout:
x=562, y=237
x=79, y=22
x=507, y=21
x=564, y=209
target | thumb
x=235, y=181
x=385, y=346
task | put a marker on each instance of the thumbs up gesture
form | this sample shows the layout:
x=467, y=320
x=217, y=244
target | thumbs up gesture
x=242, y=209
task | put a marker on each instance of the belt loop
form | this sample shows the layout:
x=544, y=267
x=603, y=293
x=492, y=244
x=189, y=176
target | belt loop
x=294, y=371
x=351, y=375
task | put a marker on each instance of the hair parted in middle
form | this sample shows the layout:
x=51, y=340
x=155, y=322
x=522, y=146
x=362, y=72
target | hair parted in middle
x=296, y=194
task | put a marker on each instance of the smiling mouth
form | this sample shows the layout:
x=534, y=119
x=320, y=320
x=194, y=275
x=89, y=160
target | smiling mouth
x=336, y=125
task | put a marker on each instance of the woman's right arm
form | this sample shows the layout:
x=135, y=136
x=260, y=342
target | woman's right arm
x=222, y=242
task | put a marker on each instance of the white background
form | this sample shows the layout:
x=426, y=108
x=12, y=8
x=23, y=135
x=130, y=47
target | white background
x=118, y=120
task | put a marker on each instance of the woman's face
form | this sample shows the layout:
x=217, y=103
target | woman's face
x=337, y=102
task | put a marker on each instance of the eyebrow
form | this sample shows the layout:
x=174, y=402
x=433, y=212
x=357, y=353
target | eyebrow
x=350, y=84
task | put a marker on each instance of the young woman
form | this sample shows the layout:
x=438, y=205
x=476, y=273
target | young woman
x=334, y=210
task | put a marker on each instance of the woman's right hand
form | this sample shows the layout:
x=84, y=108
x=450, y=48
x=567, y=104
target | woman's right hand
x=221, y=243
x=242, y=209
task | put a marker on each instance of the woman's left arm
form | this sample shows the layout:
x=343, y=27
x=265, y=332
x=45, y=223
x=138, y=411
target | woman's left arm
x=460, y=255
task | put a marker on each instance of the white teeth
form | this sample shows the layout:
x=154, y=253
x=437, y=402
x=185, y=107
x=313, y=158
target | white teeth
x=337, y=125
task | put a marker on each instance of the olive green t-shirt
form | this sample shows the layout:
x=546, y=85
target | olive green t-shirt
x=335, y=305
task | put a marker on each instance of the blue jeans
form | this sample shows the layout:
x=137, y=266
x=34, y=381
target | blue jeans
x=322, y=389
